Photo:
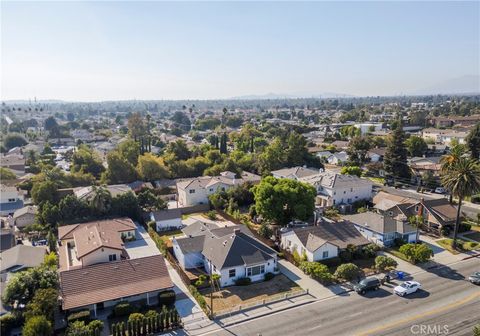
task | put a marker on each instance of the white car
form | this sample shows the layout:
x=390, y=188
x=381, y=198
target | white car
x=407, y=287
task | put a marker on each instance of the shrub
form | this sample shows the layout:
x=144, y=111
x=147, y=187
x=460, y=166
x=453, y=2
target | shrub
x=122, y=309
x=399, y=242
x=96, y=325
x=8, y=322
x=370, y=250
x=383, y=263
x=265, y=231
x=317, y=271
x=82, y=315
x=151, y=314
x=345, y=256
x=416, y=253
x=347, y=271
x=445, y=231
x=475, y=198
x=212, y=215
x=243, y=281
x=202, y=278
x=464, y=227
x=269, y=276
x=196, y=294
x=166, y=298
x=152, y=225
x=135, y=317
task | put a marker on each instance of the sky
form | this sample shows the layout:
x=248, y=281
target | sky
x=93, y=51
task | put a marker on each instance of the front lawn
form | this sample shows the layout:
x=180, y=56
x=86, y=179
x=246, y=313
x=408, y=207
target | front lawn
x=367, y=265
x=446, y=243
x=398, y=254
x=233, y=296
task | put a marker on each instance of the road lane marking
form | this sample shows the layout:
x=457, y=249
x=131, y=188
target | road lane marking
x=418, y=316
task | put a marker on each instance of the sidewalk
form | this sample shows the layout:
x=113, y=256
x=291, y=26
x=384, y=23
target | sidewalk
x=315, y=288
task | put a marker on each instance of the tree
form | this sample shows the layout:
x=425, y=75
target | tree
x=50, y=123
x=223, y=143
x=347, y=271
x=317, y=271
x=13, y=140
x=395, y=160
x=357, y=151
x=416, y=253
x=126, y=205
x=130, y=151
x=84, y=160
x=43, y=303
x=44, y=191
x=148, y=201
x=416, y=146
x=101, y=199
x=462, y=179
x=119, y=169
x=416, y=222
x=37, y=326
x=351, y=170
x=7, y=174
x=272, y=157
x=449, y=161
x=265, y=231
x=473, y=141
x=383, y=263
x=281, y=200
x=296, y=151
x=151, y=168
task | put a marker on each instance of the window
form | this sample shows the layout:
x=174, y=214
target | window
x=344, y=192
x=334, y=192
x=211, y=189
x=255, y=270
x=325, y=254
x=112, y=257
x=333, y=202
x=232, y=273
x=349, y=200
x=11, y=199
x=192, y=191
x=351, y=189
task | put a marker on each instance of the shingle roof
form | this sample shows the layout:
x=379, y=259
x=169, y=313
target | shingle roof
x=198, y=228
x=372, y=221
x=22, y=256
x=113, y=280
x=340, y=234
x=31, y=209
x=295, y=172
x=162, y=215
x=191, y=244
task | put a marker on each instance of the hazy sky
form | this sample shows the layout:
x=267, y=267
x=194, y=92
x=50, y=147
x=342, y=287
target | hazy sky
x=155, y=50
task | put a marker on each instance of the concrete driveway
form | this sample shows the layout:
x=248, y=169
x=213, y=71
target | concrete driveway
x=143, y=246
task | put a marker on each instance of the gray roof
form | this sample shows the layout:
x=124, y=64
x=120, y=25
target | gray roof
x=162, y=215
x=199, y=228
x=372, y=221
x=7, y=239
x=236, y=249
x=11, y=207
x=340, y=234
x=30, y=209
x=190, y=244
x=22, y=256
x=295, y=172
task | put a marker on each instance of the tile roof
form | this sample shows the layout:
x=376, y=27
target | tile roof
x=89, y=238
x=116, y=224
x=113, y=280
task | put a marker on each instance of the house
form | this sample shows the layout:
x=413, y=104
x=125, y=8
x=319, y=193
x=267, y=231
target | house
x=167, y=219
x=334, y=189
x=294, y=173
x=138, y=186
x=11, y=199
x=16, y=259
x=323, y=241
x=7, y=238
x=196, y=190
x=442, y=136
x=14, y=162
x=90, y=243
x=450, y=121
x=231, y=252
x=369, y=127
x=86, y=193
x=338, y=158
x=436, y=214
x=101, y=286
x=376, y=154
x=383, y=229
x=25, y=216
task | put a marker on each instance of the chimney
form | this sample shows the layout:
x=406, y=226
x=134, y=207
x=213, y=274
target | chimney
x=236, y=231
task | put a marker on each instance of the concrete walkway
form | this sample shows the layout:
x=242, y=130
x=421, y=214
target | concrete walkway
x=142, y=246
x=315, y=288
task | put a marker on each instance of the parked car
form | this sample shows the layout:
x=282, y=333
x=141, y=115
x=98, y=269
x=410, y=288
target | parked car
x=367, y=284
x=406, y=288
x=41, y=242
x=475, y=278
x=440, y=190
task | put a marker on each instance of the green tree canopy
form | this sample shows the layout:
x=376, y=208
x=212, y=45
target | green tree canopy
x=151, y=168
x=416, y=146
x=473, y=141
x=395, y=160
x=7, y=174
x=37, y=326
x=13, y=140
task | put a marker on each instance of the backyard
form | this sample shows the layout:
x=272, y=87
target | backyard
x=230, y=297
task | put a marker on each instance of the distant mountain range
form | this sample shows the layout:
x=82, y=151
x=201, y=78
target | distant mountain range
x=461, y=85
x=272, y=95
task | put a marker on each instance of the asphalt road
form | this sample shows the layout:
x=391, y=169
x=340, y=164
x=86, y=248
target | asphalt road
x=446, y=300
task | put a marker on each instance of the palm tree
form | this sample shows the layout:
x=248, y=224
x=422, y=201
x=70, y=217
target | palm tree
x=449, y=160
x=101, y=199
x=462, y=179
x=416, y=221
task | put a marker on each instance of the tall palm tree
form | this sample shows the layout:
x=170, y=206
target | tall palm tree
x=449, y=160
x=101, y=199
x=462, y=179
x=416, y=222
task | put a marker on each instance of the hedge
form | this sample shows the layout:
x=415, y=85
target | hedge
x=166, y=298
x=269, y=276
x=82, y=315
x=196, y=294
x=122, y=309
x=243, y=281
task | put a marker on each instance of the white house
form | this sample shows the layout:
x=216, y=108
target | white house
x=294, y=173
x=11, y=199
x=338, y=158
x=369, y=127
x=335, y=189
x=196, y=190
x=25, y=216
x=167, y=219
x=231, y=252
x=323, y=241
x=445, y=136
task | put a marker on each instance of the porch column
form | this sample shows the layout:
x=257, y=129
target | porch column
x=94, y=310
x=148, y=299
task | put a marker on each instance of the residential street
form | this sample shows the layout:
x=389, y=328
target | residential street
x=446, y=298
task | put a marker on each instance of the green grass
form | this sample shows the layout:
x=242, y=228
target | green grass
x=378, y=180
x=446, y=243
x=398, y=254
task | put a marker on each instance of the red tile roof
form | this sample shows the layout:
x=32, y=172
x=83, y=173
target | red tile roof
x=113, y=280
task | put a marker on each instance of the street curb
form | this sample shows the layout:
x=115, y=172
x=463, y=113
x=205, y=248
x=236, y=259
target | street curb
x=265, y=314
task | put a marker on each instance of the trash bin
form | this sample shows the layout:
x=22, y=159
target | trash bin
x=400, y=275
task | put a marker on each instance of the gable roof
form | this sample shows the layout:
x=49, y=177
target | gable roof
x=22, y=256
x=235, y=249
x=91, y=238
x=372, y=221
x=295, y=172
x=30, y=209
x=168, y=214
x=113, y=280
x=190, y=244
x=330, y=179
x=340, y=234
